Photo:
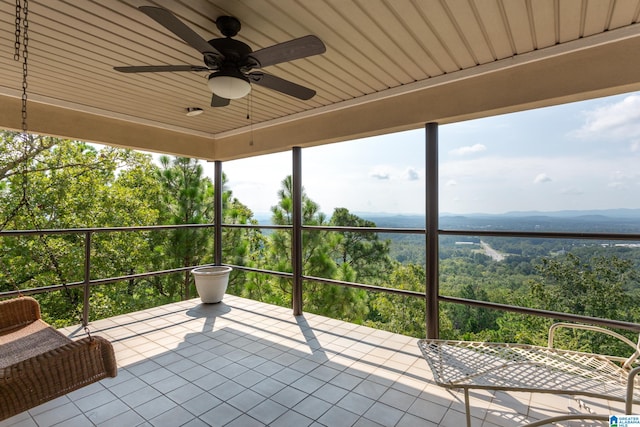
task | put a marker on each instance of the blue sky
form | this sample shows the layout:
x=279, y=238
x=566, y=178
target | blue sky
x=576, y=156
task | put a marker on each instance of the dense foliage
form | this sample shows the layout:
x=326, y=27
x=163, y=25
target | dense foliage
x=47, y=183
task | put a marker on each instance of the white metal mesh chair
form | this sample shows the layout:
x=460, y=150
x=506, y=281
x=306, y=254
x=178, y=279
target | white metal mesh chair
x=517, y=367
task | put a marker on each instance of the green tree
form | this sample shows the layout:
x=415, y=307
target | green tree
x=25, y=159
x=469, y=320
x=243, y=246
x=400, y=314
x=596, y=287
x=18, y=153
x=134, y=199
x=364, y=252
x=316, y=258
x=188, y=199
x=67, y=186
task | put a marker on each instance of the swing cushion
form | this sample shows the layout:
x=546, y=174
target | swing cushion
x=38, y=363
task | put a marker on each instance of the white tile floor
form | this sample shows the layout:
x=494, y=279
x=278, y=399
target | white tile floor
x=245, y=363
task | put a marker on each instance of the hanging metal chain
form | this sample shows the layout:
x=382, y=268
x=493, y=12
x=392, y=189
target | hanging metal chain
x=88, y=332
x=25, y=57
x=22, y=28
x=16, y=55
x=22, y=40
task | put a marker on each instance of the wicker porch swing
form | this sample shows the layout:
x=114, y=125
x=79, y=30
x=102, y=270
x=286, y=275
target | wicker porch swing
x=37, y=362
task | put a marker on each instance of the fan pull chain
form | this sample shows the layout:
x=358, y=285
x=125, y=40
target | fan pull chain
x=250, y=115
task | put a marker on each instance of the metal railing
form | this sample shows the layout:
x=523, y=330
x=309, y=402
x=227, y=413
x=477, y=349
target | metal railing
x=88, y=233
x=87, y=283
x=612, y=323
x=431, y=233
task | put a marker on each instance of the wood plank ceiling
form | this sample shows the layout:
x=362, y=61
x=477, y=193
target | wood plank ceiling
x=380, y=53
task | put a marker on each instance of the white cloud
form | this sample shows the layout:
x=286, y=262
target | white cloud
x=618, y=120
x=622, y=180
x=380, y=172
x=542, y=178
x=388, y=173
x=473, y=178
x=412, y=174
x=470, y=149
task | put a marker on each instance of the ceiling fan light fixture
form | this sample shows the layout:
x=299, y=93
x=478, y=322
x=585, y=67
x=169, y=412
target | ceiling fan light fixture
x=229, y=84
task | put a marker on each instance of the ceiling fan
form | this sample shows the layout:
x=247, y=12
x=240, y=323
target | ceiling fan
x=230, y=61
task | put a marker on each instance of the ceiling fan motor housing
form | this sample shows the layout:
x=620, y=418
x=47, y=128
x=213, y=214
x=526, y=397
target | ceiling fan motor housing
x=234, y=51
x=229, y=26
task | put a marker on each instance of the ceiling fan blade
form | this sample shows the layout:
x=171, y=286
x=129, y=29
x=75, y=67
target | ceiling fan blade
x=218, y=101
x=177, y=27
x=159, y=68
x=288, y=51
x=281, y=85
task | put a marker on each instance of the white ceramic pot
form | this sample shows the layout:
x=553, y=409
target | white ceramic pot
x=211, y=282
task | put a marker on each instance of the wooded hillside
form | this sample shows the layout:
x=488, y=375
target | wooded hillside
x=47, y=183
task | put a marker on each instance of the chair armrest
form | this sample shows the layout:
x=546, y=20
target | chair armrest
x=627, y=361
x=18, y=312
x=631, y=382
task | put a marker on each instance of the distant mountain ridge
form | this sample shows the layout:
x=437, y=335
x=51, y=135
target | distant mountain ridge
x=596, y=221
x=603, y=220
x=614, y=213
